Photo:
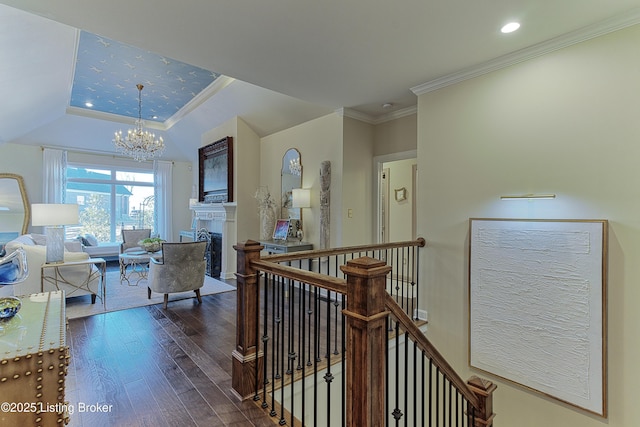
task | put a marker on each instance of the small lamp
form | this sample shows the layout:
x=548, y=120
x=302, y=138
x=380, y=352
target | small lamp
x=301, y=198
x=528, y=197
x=54, y=217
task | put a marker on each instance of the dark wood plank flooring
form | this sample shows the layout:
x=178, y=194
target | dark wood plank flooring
x=158, y=367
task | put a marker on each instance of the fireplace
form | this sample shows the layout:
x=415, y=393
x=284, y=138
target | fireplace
x=220, y=220
x=214, y=262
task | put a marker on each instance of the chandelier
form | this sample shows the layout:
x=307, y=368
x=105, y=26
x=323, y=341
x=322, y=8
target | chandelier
x=295, y=167
x=138, y=143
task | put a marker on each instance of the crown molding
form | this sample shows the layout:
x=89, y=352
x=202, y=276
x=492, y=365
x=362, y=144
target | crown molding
x=397, y=114
x=601, y=28
x=216, y=86
x=99, y=115
x=376, y=120
x=354, y=114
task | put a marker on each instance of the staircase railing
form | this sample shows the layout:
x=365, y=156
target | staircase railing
x=315, y=349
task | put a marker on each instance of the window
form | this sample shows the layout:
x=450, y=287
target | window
x=109, y=199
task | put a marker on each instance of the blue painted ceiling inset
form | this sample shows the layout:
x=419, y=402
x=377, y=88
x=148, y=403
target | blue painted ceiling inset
x=108, y=71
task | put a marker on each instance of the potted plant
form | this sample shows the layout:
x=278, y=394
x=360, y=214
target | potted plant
x=151, y=244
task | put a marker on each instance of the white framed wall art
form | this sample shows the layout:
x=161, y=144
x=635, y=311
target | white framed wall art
x=537, y=306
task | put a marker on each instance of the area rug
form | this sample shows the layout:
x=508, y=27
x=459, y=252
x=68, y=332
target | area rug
x=121, y=296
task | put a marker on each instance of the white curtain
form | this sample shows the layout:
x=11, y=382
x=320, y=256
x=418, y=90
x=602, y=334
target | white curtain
x=54, y=175
x=163, y=194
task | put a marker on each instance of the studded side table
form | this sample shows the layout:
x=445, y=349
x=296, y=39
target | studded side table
x=33, y=363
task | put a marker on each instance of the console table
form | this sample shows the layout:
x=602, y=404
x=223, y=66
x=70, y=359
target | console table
x=285, y=246
x=59, y=278
x=33, y=362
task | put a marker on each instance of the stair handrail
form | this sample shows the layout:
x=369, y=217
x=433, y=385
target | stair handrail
x=316, y=279
x=319, y=253
x=425, y=345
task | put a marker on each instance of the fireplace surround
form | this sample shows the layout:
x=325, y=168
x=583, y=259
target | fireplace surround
x=220, y=220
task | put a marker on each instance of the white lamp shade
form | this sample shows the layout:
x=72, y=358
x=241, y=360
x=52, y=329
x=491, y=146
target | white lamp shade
x=49, y=214
x=301, y=198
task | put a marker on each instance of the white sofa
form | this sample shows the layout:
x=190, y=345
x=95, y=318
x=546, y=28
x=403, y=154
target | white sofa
x=35, y=249
x=109, y=250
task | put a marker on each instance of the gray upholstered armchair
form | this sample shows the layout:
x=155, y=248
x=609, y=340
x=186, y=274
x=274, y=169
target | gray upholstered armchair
x=181, y=269
x=130, y=239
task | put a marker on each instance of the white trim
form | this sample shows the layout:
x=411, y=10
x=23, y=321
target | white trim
x=596, y=30
x=216, y=86
x=377, y=173
x=368, y=118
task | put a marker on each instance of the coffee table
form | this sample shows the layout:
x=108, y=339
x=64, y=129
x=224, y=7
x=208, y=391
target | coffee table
x=135, y=265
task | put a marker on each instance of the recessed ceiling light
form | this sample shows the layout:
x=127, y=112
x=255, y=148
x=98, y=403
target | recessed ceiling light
x=387, y=105
x=510, y=27
x=88, y=104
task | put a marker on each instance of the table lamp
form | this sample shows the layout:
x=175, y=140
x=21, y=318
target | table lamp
x=54, y=216
x=301, y=198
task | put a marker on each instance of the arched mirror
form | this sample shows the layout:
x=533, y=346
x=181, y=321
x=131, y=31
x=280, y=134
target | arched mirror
x=291, y=178
x=14, y=207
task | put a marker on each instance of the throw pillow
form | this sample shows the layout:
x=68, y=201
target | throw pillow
x=84, y=241
x=91, y=239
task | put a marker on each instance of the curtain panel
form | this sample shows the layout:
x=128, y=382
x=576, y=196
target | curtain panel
x=162, y=171
x=54, y=175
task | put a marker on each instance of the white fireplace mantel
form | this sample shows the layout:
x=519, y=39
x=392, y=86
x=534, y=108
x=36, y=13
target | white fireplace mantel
x=220, y=218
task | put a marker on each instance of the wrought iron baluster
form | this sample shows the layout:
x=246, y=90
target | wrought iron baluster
x=265, y=341
x=302, y=367
x=415, y=384
x=282, y=353
x=397, y=412
x=450, y=403
x=290, y=335
x=278, y=324
x=437, y=404
x=274, y=345
x=316, y=351
x=387, y=369
x=328, y=377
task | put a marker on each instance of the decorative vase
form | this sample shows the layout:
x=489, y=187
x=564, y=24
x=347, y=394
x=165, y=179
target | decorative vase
x=267, y=222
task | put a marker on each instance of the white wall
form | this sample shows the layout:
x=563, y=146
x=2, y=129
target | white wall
x=565, y=123
x=26, y=161
x=317, y=140
x=395, y=136
x=400, y=212
x=357, y=185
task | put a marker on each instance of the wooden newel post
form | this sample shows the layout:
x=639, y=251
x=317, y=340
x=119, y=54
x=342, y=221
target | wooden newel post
x=483, y=389
x=365, y=341
x=246, y=358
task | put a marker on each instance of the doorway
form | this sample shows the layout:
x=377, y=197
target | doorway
x=396, y=193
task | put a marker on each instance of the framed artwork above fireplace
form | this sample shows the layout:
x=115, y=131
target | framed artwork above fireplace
x=215, y=166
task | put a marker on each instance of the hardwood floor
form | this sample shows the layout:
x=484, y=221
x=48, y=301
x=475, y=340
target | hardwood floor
x=153, y=367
